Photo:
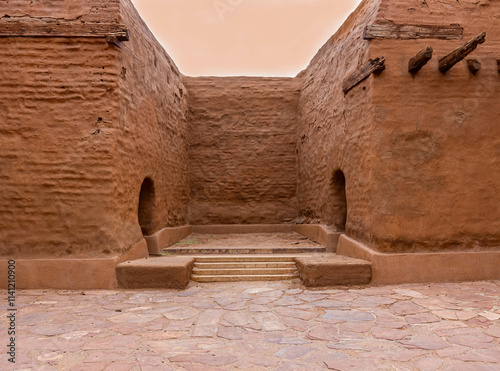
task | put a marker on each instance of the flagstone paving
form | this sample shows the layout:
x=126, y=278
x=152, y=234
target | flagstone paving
x=260, y=326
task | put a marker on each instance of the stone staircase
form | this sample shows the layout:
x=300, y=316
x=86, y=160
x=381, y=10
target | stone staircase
x=235, y=268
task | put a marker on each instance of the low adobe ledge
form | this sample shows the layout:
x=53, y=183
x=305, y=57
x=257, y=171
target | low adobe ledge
x=69, y=274
x=424, y=267
x=166, y=237
x=333, y=270
x=167, y=272
x=320, y=234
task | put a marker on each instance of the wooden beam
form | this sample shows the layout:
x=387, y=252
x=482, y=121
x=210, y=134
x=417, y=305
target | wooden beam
x=408, y=31
x=417, y=62
x=498, y=65
x=474, y=65
x=446, y=63
x=36, y=27
x=375, y=66
x=110, y=39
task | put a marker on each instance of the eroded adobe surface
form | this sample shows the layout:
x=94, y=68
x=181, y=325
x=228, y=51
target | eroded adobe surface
x=86, y=120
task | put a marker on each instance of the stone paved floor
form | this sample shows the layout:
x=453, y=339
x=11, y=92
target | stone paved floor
x=261, y=326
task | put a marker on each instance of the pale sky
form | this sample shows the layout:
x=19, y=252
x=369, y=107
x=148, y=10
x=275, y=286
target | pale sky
x=243, y=37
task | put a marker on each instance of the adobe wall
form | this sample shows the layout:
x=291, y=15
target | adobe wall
x=336, y=131
x=242, y=139
x=437, y=178
x=76, y=141
x=152, y=140
x=421, y=154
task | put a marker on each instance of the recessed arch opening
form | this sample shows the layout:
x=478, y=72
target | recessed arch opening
x=146, y=207
x=338, y=184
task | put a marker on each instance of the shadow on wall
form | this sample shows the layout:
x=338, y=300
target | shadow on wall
x=339, y=200
x=146, y=207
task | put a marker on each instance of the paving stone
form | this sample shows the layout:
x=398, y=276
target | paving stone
x=113, y=342
x=322, y=356
x=204, y=359
x=426, y=342
x=384, y=318
x=478, y=340
x=324, y=333
x=181, y=314
x=269, y=322
x=352, y=365
x=466, y=315
x=230, y=333
x=493, y=331
x=451, y=351
x=285, y=337
x=421, y=318
x=360, y=327
x=490, y=315
x=327, y=304
x=410, y=293
x=297, y=324
x=388, y=333
x=297, y=313
x=312, y=297
x=371, y=301
x=287, y=301
x=397, y=355
x=237, y=318
x=293, y=352
x=349, y=316
x=428, y=364
x=118, y=366
x=482, y=355
x=107, y=356
x=403, y=308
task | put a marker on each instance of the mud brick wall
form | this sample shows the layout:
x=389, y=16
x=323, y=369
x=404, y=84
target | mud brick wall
x=242, y=142
x=420, y=153
x=437, y=178
x=152, y=140
x=76, y=140
x=335, y=130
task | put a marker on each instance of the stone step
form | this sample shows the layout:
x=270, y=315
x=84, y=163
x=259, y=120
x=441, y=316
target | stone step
x=244, y=265
x=239, y=258
x=231, y=278
x=243, y=272
x=243, y=250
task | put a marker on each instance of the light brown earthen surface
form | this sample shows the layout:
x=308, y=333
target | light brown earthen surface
x=420, y=153
x=249, y=240
x=242, y=135
x=83, y=123
x=437, y=169
x=261, y=326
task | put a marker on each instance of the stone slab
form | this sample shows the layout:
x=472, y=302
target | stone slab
x=333, y=270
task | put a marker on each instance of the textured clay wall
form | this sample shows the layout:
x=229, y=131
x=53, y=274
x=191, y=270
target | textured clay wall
x=242, y=139
x=57, y=177
x=437, y=171
x=152, y=137
x=335, y=130
x=70, y=173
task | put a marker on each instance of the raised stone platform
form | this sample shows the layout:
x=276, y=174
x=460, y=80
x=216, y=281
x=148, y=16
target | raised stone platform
x=333, y=270
x=287, y=242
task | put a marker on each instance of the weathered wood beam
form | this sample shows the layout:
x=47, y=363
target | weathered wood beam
x=417, y=62
x=408, y=31
x=33, y=27
x=375, y=66
x=110, y=39
x=474, y=65
x=447, y=62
